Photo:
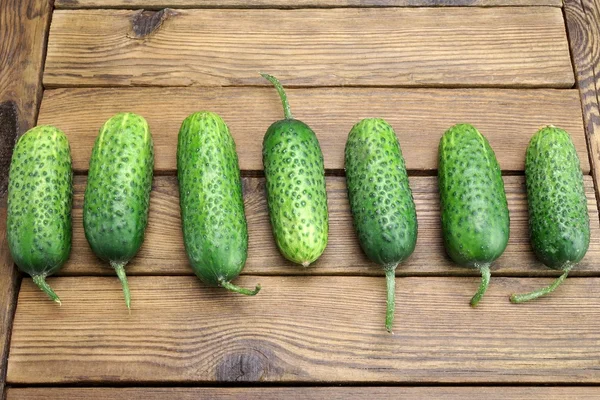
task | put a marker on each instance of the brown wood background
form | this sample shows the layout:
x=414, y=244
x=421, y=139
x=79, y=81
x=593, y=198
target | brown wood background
x=507, y=66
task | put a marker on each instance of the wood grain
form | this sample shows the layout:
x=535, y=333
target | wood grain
x=500, y=47
x=585, y=60
x=307, y=393
x=305, y=329
x=23, y=32
x=163, y=252
x=158, y=4
x=592, y=11
x=507, y=117
x=8, y=294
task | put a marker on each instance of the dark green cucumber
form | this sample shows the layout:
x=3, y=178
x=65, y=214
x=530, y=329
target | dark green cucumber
x=40, y=196
x=559, y=223
x=296, y=193
x=117, y=195
x=212, y=207
x=380, y=199
x=474, y=211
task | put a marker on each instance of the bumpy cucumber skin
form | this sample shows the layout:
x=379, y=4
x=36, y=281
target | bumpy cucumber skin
x=474, y=211
x=212, y=207
x=378, y=189
x=296, y=194
x=40, y=197
x=559, y=223
x=117, y=195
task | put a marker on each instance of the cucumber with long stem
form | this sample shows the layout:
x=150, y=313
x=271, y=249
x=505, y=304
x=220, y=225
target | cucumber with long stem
x=559, y=223
x=381, y=200
x=295, y=180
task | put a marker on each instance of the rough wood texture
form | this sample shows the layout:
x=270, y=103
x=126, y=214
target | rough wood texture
x=307, y=393
x=163, y=252
x=584, y=44
x=158, y=4
x=23, y=27
x=506, y=46
x=305, y=329
x=420, y=116
x=592, y=11
x=9, y=282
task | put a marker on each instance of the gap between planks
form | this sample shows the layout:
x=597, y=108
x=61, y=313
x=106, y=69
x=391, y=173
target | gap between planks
x=305, y=393
x=287, y=4
x=24, y=26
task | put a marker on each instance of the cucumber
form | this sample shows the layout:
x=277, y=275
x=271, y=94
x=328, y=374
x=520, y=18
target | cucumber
x=210, y=197
x=40, y=196
x=117, y=195
x=474, y=211
x=295, y=180
x=559, y=223
x=381, y=201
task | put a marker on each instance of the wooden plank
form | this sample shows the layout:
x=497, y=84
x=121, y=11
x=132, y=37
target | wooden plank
x=158, y=4
x=8, y=294
x=307, y=393
x=420, y=116
x=582, y=36
x=305, y=329
x=592, y=11
x=23, y=28
x=163, y=252
x=506, y=46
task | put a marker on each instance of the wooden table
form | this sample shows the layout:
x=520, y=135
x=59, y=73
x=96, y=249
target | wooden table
x=507, y=66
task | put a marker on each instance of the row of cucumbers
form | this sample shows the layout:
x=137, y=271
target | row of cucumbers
x=474, y=211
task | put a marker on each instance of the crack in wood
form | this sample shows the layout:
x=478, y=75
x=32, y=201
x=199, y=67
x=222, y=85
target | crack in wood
x=8, y=135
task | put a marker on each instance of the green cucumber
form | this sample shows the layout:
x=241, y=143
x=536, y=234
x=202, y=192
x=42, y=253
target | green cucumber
x=40, y=196
x=474, y=211
x=295, y=180
x=380, y=199
x=210, y=196
x=117, y=195
x=559, y=223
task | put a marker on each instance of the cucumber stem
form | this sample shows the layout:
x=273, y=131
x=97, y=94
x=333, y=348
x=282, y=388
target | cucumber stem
x=390, y=277
x=284, y=101
x=40, y=281
x=233, y=288
x=485, y=281
x=120, y=270
x=522, y=298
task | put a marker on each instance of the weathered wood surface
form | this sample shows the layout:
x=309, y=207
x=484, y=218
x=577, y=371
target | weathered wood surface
x=162, y=252
x=592, y=11
x=504, y=46
x=583, y=36
x=23, y=28
x=507, y=117
x=159, y=4
x=305, y=329
x=9, y=282
x=307, y=393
